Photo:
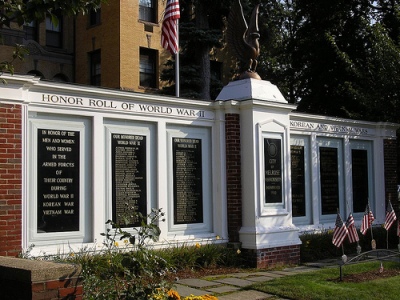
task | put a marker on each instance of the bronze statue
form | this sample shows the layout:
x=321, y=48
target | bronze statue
x=244, y=40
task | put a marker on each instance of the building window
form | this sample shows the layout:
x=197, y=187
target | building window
x=216, y=69
x=31, y=32
x=95, y=17
x=54, y=32
x=95, y=68
x=148, y=60
x=147, y=10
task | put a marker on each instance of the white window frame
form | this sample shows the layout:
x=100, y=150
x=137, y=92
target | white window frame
x=132, y=128
x=338, y=144
x=362, y=145
x=281, y=204
x=304, y=141
x=84, y=234
x=204, y=135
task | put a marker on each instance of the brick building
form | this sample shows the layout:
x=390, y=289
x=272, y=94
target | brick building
x=117, y=46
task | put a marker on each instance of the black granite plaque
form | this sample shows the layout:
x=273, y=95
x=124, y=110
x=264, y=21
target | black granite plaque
x=298, y=181
x=329, y=180
x=129, y=193
x=359, y=160
x=58, y=180
x=188, y=183
x=273, y=170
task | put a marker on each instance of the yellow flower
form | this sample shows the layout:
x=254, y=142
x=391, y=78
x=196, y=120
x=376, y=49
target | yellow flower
x=198, y=245
x=126, y=242
x=217, y=237
x=72, y=254
x=238, y=251
x=116, y=244
x=173, y=295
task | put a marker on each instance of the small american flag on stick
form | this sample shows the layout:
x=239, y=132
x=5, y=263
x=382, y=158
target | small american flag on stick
x=169, y=34
x=353, y=235
x=340, y=232
x=390, y=216
x=367, y=220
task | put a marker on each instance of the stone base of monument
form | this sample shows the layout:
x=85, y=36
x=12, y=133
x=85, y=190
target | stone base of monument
x=251, y=89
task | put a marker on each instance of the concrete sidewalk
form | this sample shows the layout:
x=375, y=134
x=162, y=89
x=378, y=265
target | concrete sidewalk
x=231, y=286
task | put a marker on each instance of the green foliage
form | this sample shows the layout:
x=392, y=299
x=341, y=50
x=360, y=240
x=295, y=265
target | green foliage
x=132, y=271
x=337, y=58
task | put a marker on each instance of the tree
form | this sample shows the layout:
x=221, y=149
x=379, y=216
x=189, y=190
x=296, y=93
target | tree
x=200, y=28
x=337, y=58
x=22, y=12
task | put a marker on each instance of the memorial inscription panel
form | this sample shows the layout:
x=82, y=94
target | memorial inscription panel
x=359, y=160
x=129, y=193
x=298, y=181
x=187, y=178
x=58, y=180
x=273, y=170
x=329, y=180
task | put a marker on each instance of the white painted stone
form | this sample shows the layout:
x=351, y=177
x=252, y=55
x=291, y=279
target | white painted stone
x=254, y=89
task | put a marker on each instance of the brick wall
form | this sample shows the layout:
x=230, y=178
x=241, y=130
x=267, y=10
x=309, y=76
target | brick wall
x=390, y=161
x=233, y=173
x=36, y=279
x=10, y=179
x=272, y=257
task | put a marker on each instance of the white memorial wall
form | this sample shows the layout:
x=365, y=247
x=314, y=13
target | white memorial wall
x=89, y=153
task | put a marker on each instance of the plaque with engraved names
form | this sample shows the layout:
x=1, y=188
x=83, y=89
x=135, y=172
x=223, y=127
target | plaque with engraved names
x=187, y=178
x=273, y=170
x=58, y=180
x=129, y=192
x=298, y=181
x=329, y=180
x=359, y=160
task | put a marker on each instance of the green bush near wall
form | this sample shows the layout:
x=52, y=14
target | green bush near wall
x=318, y=245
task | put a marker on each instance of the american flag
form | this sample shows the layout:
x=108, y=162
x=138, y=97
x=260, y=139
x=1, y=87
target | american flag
x=169, y=34
x=390, y=216
x=367, y=220
x=340, y=232
x=353, y=235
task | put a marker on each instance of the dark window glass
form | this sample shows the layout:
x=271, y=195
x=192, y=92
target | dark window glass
x=359, y=161
x=31, y=31
x=148, y=60
x=95, y=68
x=147, y=10
x=54, y=33
x=298, y=181
x=329, y=170
x=216, y=69
x=95, y=17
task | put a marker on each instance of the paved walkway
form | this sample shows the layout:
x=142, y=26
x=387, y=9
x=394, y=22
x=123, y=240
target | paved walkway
x=231, y=286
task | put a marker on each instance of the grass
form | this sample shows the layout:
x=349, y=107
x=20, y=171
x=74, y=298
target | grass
x=324, y=285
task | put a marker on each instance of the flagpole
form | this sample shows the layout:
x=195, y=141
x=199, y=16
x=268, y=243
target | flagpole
x=177, y=83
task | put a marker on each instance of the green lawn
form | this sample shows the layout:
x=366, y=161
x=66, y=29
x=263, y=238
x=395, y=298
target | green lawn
x=324, y=284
